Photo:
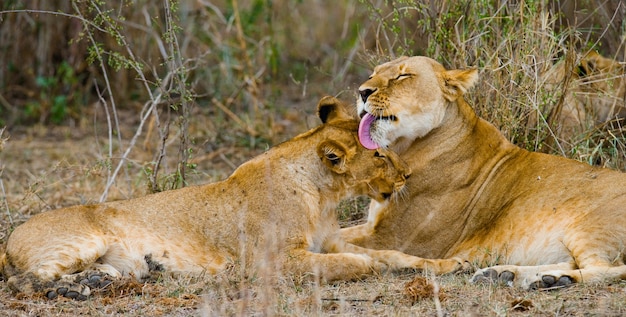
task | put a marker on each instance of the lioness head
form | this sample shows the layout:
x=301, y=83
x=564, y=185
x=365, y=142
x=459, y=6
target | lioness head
x=602, y=88
x=594, y=64
x=376, y=173
x=406, y=98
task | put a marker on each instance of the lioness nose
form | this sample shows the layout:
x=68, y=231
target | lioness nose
x=366, y=93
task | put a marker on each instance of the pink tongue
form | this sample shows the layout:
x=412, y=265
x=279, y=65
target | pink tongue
x=364, y=132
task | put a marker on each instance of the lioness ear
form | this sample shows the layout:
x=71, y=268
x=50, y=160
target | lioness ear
x=333, y=156
x=456, y=82
x=330, y=108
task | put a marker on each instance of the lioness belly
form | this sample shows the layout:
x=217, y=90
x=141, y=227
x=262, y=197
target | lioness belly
x=515, y=247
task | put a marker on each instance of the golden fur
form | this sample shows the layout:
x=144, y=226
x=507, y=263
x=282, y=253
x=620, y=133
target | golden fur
x=274, y=213
x=595, y=92
x=548, y=220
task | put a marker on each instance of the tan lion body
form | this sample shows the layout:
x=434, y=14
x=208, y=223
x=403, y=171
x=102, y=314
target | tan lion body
x=274, y=213
x=548, y=220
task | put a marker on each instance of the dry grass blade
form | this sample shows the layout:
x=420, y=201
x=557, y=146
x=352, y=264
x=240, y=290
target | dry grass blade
x=521, y=304
x=235, y=118
x=3, y=140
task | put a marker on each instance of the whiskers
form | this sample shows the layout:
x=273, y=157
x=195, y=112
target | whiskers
x=401, y=195
x=372, y=189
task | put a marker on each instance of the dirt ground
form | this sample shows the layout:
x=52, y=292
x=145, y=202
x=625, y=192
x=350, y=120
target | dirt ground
x=47, y=168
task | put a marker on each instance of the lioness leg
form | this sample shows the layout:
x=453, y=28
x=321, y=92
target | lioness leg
x=65, y=255
x=76, y=286
x=396, y=260
x=359, y=235
x=363, y=234
x=595, y=245
x=72, y=266
x=330, y=267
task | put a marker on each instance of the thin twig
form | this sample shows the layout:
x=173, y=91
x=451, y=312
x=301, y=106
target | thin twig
x=4, y=197
x=72, y=16
x=133, y=141
x=105, y=75
x=6, y=103
x=149, y=107
x=335, y=299
x=227, y=161
x=233, y=116
x=109, y=127
x=250, y=80
x=176, y=64
x=164, y=132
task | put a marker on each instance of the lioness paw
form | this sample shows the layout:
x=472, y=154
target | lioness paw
x=69, y=290
x=79, y=286
x=550, y=281
x=490, y=276
x=377, y=265
x=528, y=278
x=463, y=266
x=446, y=266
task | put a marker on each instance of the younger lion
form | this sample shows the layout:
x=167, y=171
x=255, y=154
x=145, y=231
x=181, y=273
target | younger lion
x=549, y=220
x=276, y=209
x=595, y=93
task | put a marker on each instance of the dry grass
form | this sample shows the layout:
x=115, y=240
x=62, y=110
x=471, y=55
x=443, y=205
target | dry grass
x=254, y=81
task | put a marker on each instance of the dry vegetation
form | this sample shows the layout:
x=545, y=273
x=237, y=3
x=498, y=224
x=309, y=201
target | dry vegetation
x=112, y=100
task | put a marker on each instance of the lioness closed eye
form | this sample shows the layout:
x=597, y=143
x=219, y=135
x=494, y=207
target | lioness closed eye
x=278, y=206
x=548, y=220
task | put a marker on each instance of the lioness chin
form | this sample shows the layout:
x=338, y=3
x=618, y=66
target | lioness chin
x=274, y=213
x=549, y=221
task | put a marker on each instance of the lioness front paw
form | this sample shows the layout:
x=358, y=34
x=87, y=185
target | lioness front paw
x=446, y=266
x=465, y=266
x=379, y=266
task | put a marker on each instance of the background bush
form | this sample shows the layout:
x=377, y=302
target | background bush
x=249, y=65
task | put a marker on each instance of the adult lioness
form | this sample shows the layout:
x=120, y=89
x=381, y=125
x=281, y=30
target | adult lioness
x=275, y=211
x=474, y=195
